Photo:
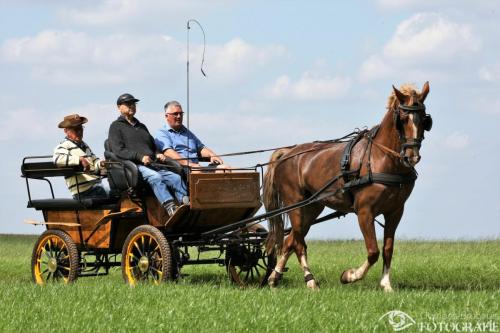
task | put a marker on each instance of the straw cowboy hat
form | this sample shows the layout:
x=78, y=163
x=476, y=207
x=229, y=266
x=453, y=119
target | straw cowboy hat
x=73, y=120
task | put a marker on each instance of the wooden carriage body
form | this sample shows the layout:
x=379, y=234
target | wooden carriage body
x=216, y=199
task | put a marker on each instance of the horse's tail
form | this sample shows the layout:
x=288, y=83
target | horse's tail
x=274, y=241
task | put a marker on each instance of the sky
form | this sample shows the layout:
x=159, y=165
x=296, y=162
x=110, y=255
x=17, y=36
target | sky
x=278, y=73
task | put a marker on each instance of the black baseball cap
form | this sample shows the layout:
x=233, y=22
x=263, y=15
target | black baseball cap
x=126, y=98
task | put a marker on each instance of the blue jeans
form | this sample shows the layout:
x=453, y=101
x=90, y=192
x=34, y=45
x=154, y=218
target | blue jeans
x=164, y=183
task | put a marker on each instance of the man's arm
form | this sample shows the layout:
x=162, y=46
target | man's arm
x=62, y=156
x=169, y=152
x=207, y=152
x=118, y=146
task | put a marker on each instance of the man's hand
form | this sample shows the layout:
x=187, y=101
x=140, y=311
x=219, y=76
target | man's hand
x=146, y=160
x=85, y=163
x=161, y=157
x=102, y=164
x=216, y=159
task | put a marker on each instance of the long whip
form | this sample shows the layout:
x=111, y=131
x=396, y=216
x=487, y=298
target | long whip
x=187, y=71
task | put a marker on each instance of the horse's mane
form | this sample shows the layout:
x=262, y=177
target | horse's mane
x=406, y=89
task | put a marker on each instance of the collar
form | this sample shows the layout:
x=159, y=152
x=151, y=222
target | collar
x=170, y=129
x=82, y=145
x=123, y=119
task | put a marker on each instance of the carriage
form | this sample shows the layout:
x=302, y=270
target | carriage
x=131, y=229
x=369, y=172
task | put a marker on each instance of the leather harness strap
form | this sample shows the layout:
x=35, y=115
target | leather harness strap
x=370, y=178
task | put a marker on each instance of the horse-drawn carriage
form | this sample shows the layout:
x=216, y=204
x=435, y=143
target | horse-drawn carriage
x=368, y=172
x=86, y=237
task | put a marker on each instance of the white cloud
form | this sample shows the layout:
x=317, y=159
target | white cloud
x=449, y=5
x=67, y=57
x=422, y=44
x=310, y=87
x=21, y=124
x=397, y=4
x=236, y=58
x=430, y=36
x=127, y=12
x=490, y=73
x=457, y=141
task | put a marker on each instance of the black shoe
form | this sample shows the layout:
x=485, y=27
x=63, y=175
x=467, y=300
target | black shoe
x=170, y=207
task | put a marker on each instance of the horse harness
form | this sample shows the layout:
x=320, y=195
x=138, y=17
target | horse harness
x=352, y=178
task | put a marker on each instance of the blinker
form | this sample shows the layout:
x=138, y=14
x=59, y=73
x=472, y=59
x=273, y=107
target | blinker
x=427, y=122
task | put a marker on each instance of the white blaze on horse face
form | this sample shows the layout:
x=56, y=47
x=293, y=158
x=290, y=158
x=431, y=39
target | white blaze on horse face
x=413, y=126
x=416, y=151
x=385, y=282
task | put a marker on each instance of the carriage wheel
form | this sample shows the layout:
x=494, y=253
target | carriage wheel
x=248, y=263
x=55, y=258
x=253, y=272
x=146, y=257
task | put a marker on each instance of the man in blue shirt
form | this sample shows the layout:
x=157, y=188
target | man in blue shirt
x=174, y=140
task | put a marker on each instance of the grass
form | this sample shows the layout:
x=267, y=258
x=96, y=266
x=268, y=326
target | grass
x=446, y=281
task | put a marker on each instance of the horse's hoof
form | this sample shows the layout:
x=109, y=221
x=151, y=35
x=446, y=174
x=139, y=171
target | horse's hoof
x=387, y=289
x=273, y=283
x=312, y=285
x=347, y=276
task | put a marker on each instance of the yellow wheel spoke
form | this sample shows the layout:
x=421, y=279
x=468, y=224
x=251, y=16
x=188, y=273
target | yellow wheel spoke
x=138, y=249
x=66, y=268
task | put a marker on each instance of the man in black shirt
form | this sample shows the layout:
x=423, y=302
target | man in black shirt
x=129, y=139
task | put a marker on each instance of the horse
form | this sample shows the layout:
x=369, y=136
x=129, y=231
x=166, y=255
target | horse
x=372, y=174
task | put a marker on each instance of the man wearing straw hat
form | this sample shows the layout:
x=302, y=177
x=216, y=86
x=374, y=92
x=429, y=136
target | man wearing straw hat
x=73, y=151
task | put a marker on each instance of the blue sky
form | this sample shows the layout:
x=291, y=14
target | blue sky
x=278, y=73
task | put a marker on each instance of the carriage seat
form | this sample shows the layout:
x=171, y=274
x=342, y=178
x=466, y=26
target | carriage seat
x=123, y=175
x=47, y=169
x=72, y=204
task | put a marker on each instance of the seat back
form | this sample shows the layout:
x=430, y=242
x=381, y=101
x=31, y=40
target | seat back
x=122, y=174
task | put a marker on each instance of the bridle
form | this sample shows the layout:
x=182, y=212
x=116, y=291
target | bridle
x=414, y=110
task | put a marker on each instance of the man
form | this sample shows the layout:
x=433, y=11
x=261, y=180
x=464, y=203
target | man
x=129, y=139
x=174, y=140
x=73, y=151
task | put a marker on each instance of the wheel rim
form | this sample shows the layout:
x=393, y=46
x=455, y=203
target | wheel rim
x=52, y=260
x=144, y=260
x=255, y=270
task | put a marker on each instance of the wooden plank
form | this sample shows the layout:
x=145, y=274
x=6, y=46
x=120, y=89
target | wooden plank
x=67, y=224
x=224, y=190
x=88, y=220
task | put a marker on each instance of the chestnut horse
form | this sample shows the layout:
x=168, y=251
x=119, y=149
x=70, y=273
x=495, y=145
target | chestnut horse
x=378, y=180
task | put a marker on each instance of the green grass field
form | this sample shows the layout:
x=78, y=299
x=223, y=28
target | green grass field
x=434, y=282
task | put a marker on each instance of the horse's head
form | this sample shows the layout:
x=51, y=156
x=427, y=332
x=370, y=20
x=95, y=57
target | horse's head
x=411, y=121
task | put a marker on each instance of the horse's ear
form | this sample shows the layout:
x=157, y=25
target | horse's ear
x=425, y=91
x=399, y=95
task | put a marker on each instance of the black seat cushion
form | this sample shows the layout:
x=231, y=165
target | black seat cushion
x=71, y=204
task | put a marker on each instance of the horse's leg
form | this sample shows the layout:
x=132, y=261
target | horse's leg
x=391, y=223
x=277, y=273
x=365, y=219
x=301, y=222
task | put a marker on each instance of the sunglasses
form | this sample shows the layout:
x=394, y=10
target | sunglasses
x=175, y=114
